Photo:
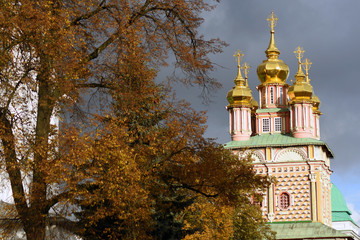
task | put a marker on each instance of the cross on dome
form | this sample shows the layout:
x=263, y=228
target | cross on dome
x=272, y=19
x=307, y=65
x=299, y=53
x=238, y=56
x=246, y=67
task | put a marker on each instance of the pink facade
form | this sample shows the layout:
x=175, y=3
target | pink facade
x=275, y=115
x=240, y=123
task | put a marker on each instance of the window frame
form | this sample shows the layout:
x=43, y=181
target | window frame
x=276, y=125
x=284, y=202
x=267, y=125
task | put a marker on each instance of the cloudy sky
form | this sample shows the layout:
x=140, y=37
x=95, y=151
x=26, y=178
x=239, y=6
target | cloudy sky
x=329, y=32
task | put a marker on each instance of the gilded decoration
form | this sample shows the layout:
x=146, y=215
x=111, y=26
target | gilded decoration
x=272, y=70
x=240, y=94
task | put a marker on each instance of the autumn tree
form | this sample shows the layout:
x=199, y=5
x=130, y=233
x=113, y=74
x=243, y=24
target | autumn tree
x=160, y=178
x=191, y=188
x=138, y=154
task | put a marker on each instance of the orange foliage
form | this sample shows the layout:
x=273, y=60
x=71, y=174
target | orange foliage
x=132, y=162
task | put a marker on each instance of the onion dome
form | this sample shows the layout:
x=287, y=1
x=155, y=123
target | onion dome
x=240, y=94
x=301, y=90
x=272, y=70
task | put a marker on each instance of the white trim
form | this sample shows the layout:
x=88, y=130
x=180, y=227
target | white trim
x=249, y=120
x=242, y=119
x=230, y=116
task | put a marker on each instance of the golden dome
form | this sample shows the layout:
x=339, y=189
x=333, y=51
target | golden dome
x=272, y=70
x=301, y=90
x=240, y=94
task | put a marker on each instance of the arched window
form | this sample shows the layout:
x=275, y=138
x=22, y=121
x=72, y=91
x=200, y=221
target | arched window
x=284, y=200
x=263, y=97
x=271, y=95
x=281, y=96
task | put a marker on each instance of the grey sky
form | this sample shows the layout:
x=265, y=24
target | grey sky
x=329, y=32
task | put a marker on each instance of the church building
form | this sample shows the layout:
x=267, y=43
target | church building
x=282, y=134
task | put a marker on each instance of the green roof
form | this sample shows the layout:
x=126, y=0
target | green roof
x=339, y=210
x=309, y=230
x=341, y=217
x=276, y=140
x=338, y=203
x=265, y=110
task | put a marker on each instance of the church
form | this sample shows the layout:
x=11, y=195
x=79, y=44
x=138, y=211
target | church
x=281, y=132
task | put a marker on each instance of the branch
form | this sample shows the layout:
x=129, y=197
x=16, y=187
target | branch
x=183, y=185
x=112, y=38
x=12, y=166
x=101, y=48
x=93, y=85
x=191, y=188
x=56, y=199
x=15, y=89
x=89, y=15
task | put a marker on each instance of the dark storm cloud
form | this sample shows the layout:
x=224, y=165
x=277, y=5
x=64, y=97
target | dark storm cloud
x=329, y=32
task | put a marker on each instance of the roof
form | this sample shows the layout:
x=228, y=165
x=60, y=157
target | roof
x=338, y=203
x=339, y=210
x=276, y=140
x=306, y=230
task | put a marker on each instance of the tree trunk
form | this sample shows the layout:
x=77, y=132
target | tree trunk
x=35, y=225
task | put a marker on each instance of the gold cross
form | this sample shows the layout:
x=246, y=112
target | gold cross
x=307, y=65
x=272, y=19
x=239, y=56
x=246, y=68
x=299, y=53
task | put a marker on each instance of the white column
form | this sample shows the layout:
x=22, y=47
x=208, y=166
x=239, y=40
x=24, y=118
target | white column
x=318, y=126
x=249, y=120
x=235, y=120
x=303, y=116
x=266, y=95
x=291, y=117
x=311, y=116
x=296, y=116
x=259, y=125
x=242, y=119
x=230, y=122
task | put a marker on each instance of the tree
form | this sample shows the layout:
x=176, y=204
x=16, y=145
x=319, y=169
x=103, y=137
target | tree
x=191, y=187
x=51, y=52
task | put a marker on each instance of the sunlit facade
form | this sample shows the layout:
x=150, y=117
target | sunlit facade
x=282, y=134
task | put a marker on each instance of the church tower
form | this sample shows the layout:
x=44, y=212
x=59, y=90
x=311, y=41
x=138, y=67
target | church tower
x=241, y=104
x=282, y=134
